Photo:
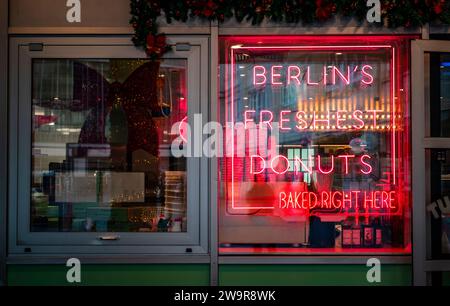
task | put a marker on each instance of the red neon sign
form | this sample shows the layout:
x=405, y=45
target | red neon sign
x=259, y=164
x=339, y=200
x=331, y=120
x=277, y=73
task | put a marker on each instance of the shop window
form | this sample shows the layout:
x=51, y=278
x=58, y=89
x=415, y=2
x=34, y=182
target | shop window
x=320, y=145
x=96, y=134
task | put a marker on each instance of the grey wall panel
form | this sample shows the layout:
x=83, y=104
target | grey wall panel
x=52, y=13
x=3, y=133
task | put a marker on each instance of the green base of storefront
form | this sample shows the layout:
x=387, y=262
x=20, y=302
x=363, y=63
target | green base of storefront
x=311, y=275
x=109, y=275
x=198, y=275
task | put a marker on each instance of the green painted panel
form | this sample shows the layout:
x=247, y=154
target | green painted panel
x=298, y=275
x=198, y=274
x=167, y=274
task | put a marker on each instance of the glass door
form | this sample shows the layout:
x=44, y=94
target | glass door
x=431, y=160
x=93, y=145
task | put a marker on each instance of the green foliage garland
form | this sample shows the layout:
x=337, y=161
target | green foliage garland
x=394, y=13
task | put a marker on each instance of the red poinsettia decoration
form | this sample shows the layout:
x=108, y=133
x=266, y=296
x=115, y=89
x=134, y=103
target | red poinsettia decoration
x=204, y=8
x=438, y=7
x=156, y=45
x=209, y=8
x=324, y=9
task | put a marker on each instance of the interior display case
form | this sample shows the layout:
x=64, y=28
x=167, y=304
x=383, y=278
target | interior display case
x=317, y=145
x=101, y=160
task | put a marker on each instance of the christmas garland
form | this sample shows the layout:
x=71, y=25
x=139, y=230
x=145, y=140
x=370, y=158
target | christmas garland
x=394, y=13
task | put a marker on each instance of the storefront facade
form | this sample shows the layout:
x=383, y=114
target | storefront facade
x=336, y=154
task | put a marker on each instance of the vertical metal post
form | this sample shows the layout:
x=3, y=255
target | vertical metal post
x=213, y=109
x=418, y=164
x=426, y=31
x=3, y=135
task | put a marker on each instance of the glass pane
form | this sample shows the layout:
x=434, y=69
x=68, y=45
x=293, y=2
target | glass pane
x=439, y=205
x=320, y=153
x=439, y=90
x=101, y=136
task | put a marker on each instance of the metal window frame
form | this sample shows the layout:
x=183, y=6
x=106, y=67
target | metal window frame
x=19, y=163
x=420, y=142
x=3, y=136
x=214, y=176
x=247, y=29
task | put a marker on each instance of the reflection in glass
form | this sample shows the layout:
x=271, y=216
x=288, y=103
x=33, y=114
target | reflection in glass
x=439, y=207
x=101, y=140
